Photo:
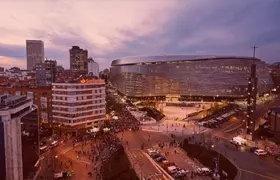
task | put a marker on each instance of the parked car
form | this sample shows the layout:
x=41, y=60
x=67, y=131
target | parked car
x=151, y=151
x=253, y=149
x=172, y=169
x=203, y=171
x=167, y=164
x=260, y=152
x=154, y=155
x=179, y=175
x=160, y=159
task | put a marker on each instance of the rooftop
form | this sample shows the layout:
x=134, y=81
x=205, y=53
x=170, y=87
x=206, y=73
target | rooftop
x=171, y=58
x=8, y=101
x=81, y=79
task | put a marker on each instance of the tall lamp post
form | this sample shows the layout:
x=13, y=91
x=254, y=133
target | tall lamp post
x=251, y=98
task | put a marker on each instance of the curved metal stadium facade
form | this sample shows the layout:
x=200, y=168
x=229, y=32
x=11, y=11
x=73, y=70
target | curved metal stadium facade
x=187, y=76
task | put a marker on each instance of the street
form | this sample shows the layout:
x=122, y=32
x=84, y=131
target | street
x=251, y=165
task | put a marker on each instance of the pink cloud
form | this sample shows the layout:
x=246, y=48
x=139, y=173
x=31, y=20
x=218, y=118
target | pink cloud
x=9, y=62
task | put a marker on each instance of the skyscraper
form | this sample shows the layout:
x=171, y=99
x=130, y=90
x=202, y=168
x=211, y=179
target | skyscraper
x=34, y=53
x=78, y=58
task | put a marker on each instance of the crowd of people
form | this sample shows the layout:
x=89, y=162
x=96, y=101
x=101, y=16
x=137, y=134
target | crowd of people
x=126, y=121
x=105, y=145
x=98, y=150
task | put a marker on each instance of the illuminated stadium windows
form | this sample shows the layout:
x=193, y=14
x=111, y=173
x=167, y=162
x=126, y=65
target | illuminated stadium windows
x=205, y=77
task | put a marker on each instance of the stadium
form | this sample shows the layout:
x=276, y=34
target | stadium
x=186, y=77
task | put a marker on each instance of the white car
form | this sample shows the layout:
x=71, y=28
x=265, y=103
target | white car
x=151, y=151
x=203, y=171
x=260, y=152
x=235, y=142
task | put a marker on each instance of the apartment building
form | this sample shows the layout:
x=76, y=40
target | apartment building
x=46, y=73
x=19, y=138
x=78, y=59
x=78, y=104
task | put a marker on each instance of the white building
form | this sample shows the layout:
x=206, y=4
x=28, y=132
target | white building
x=93, y=68
x=34, y=53
x=78, y=104
x=12, y=109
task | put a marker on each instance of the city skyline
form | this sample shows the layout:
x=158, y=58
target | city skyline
x=137, y=28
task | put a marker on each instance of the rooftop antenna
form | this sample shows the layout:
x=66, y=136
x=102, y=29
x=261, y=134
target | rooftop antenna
x=254, y=53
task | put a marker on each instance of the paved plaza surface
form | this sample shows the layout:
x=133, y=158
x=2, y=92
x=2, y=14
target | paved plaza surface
x=172, y=112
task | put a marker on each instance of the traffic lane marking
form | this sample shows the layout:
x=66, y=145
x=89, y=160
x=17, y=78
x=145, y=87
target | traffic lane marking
x=160, y=169
x=248, y=171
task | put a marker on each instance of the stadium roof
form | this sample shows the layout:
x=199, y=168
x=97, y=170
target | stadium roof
x=171, y=58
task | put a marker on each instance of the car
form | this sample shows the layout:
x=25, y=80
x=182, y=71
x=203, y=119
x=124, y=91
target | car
x=154, y=155
x=150, y=151
x=260, y=152
x=172, y=169
x=160, y=159
x=179, y=174
x=253, y=149
x=167, y=164
x=203, y=171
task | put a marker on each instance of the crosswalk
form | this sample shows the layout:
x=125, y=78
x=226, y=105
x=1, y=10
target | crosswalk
x=132, y=156
x=136, y=158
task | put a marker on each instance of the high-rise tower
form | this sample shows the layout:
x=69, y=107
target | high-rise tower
x=34, y=53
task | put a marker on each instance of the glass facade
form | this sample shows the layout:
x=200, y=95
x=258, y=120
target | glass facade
x=225, y=77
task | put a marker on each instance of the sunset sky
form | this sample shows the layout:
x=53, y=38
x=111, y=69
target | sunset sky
x=110, y=29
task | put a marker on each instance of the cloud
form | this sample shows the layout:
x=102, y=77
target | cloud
x=117, y=28
x=218, y=26
x=9, y=62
